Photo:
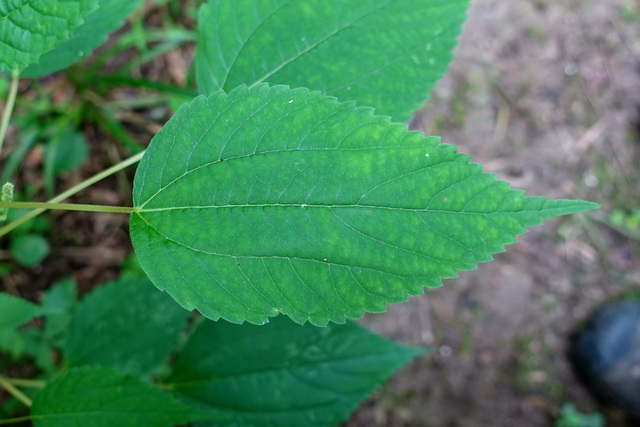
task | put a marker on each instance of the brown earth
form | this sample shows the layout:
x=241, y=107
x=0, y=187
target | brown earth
x=545, y=94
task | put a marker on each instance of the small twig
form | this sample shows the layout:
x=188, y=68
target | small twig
x=8, y=108
x=23, y=382
x=14, y=391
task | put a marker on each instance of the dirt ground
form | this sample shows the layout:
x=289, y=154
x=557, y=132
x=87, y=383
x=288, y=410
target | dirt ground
x=544, y=93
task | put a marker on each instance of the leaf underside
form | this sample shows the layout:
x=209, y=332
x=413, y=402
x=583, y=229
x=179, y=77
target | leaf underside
x=270, y=200
x=29, y=28
x=386, y=54
x=283, y=374
x=92, y=33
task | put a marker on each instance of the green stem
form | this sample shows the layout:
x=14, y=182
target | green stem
x=14, y=391
x=22, y=382
x=15, y=420
x=73, y=190
x=8, y=108
x=65, y=207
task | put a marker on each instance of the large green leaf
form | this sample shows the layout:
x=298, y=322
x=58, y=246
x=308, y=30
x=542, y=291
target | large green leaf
x=101, y=397
x=387, y=54
x=107, y=18
x=283, y=374
x=270, y=200
x=15, y=311
x=128, y=325
x=29, y=28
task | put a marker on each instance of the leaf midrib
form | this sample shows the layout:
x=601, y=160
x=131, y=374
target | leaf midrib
x=289, y=258
x=334, y=206
x=290, y=150
x=305, y=366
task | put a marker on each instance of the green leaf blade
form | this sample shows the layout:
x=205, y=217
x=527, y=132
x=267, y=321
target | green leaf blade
x=108, y=17
x=270, y=200
x=127, y=325
x=29, y=28
x=283, y=374
x=387, y=54
x=29, y=249
x=102, y=397
x=15, y=311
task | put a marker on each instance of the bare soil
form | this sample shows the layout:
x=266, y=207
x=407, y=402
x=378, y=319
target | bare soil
x=544, y=94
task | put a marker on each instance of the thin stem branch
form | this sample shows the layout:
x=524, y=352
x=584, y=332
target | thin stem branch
x=8, y=108
x=65, y=206
x=15, y=420
x=14, y=391
x=73, y=190
x=23, y=382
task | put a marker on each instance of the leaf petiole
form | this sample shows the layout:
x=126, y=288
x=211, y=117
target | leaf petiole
x=65, y=206
x=73, y=190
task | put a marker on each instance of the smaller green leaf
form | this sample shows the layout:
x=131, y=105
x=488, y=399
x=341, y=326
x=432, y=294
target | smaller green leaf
x=128, y=325
x=64, y=154
x=29, y=28
x=131, y=268
x=58, y=305
x=84, y=39
x=29, y=249
x=29, y=342
x=381, y=53
x=15, y=311
x=12, y=342
x=283, y=374
x=102, y=397
x=69, y=152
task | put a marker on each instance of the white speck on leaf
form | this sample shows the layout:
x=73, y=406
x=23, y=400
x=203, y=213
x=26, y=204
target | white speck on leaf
x=426, y=155
x=291, y=102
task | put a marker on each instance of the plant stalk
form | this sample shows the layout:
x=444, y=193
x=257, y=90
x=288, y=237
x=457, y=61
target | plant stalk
x=23, y=382
x=8, y=108
x=65, y=206
x=73, y=190
x=14, y=391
